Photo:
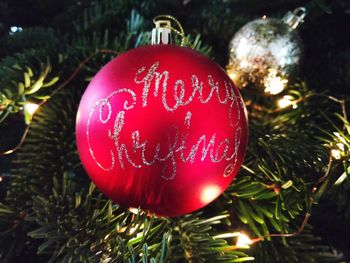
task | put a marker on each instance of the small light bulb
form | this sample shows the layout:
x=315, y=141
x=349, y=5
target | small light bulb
x=243, y=241
x=13, y=29
x=336, y=153
x=31, y=108
x=0, y=179
x=285, y=102
x=274, y=84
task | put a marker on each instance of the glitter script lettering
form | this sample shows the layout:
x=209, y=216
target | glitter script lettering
x=176, y=149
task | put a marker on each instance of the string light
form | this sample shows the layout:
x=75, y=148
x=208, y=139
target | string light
x=336, y=153
x=285, y=102
x=274, y=84
x=339, y=147
x=30, y=108
x=15, y=29
x=0, y=179
x=243, y=241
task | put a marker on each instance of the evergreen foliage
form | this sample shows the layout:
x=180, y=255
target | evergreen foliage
x=51, y=212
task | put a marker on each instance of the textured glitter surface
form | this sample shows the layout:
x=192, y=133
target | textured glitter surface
x=167, y=132
x=263, y=46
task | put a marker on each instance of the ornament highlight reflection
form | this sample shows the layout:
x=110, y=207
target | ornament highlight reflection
x=209, y=193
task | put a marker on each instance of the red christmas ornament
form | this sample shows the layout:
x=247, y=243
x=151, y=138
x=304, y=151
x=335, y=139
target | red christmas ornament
x=162, y=128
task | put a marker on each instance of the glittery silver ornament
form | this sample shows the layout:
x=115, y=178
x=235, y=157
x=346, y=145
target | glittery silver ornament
x=266, y=52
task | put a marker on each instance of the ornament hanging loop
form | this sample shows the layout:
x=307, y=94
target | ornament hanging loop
x=161, y=33
x=295, y=18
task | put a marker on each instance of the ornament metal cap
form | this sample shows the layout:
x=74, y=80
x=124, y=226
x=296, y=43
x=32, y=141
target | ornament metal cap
x=161, y=34
x=295, y=18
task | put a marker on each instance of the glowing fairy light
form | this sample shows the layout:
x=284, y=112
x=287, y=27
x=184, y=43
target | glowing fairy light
x=286, y=101
x=339, y=147
x=30, y=108
x=274, y=84
x=243, y=240
x=336, y=153
x=15, y=29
